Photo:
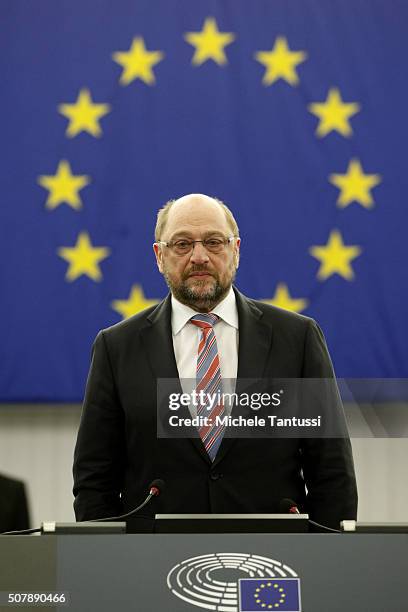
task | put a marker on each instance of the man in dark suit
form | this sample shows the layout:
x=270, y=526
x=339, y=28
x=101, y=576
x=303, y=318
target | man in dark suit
x=118, y=452
x=13, y=505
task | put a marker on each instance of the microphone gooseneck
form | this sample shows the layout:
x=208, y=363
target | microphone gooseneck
x=288, y=506
x=156, y=487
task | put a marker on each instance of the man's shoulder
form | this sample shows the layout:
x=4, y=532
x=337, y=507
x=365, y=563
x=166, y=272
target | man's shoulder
x=278, y=316
x=131, y=324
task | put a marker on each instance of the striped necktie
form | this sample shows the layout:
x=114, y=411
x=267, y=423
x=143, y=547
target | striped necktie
x=208, y=380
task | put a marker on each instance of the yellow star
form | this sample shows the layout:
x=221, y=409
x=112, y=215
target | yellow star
x=84, y=115
x=83, y=258
x=355, y=185
x=335, y=257
x=283, y=299
x=209, y=43
x=134, y=304
x=334, y=114
x=137, y=63
x=281, y=62
x=63, y=186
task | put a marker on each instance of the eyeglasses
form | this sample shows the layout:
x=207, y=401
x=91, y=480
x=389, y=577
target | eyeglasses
x=183, y=246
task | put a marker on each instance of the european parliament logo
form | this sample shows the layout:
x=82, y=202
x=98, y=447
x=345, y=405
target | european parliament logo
x=276, y=594
x=236, y=582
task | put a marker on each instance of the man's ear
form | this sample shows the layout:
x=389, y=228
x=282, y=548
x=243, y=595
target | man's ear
x=237, y=251
x=159, y=256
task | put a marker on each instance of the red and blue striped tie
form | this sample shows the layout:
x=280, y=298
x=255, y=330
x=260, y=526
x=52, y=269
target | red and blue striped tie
x=208, y=380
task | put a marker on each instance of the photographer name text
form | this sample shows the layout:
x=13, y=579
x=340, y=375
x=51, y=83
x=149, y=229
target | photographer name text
x=271, y=420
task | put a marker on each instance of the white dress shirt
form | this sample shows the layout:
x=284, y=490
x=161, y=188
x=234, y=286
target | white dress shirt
x=186, y=338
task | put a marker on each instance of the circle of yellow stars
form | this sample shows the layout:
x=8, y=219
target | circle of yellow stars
x=271, y=587
x=280, y=64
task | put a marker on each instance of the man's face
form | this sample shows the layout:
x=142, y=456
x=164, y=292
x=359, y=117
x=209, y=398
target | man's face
x=199, y=279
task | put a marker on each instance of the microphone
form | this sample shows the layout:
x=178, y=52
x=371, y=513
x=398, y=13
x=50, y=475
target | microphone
x=156, y=487
x=288, y=506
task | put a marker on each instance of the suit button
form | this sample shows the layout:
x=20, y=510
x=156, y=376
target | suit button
x=215, y=475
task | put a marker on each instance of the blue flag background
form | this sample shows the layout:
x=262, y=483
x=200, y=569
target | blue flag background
x=291, y=111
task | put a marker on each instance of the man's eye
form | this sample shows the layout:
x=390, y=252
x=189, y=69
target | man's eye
x=213, y=241
x=182, y=244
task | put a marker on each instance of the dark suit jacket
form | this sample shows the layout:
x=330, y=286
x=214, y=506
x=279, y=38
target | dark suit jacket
x=118, y=454
x=13, y=505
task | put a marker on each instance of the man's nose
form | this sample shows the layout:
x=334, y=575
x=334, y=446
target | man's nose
x=199, y=253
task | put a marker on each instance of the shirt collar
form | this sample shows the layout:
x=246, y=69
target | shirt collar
x=226, y=310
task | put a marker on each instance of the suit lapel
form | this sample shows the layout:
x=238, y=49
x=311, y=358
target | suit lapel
x=158, y=342
x=255, y=340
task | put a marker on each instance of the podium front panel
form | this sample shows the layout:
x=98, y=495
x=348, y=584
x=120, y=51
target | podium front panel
x=221, y=572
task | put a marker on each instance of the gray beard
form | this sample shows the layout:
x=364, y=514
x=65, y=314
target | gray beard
x=202, y=303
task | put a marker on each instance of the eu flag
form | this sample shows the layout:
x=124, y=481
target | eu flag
x=293, y=112
x=281, y=594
